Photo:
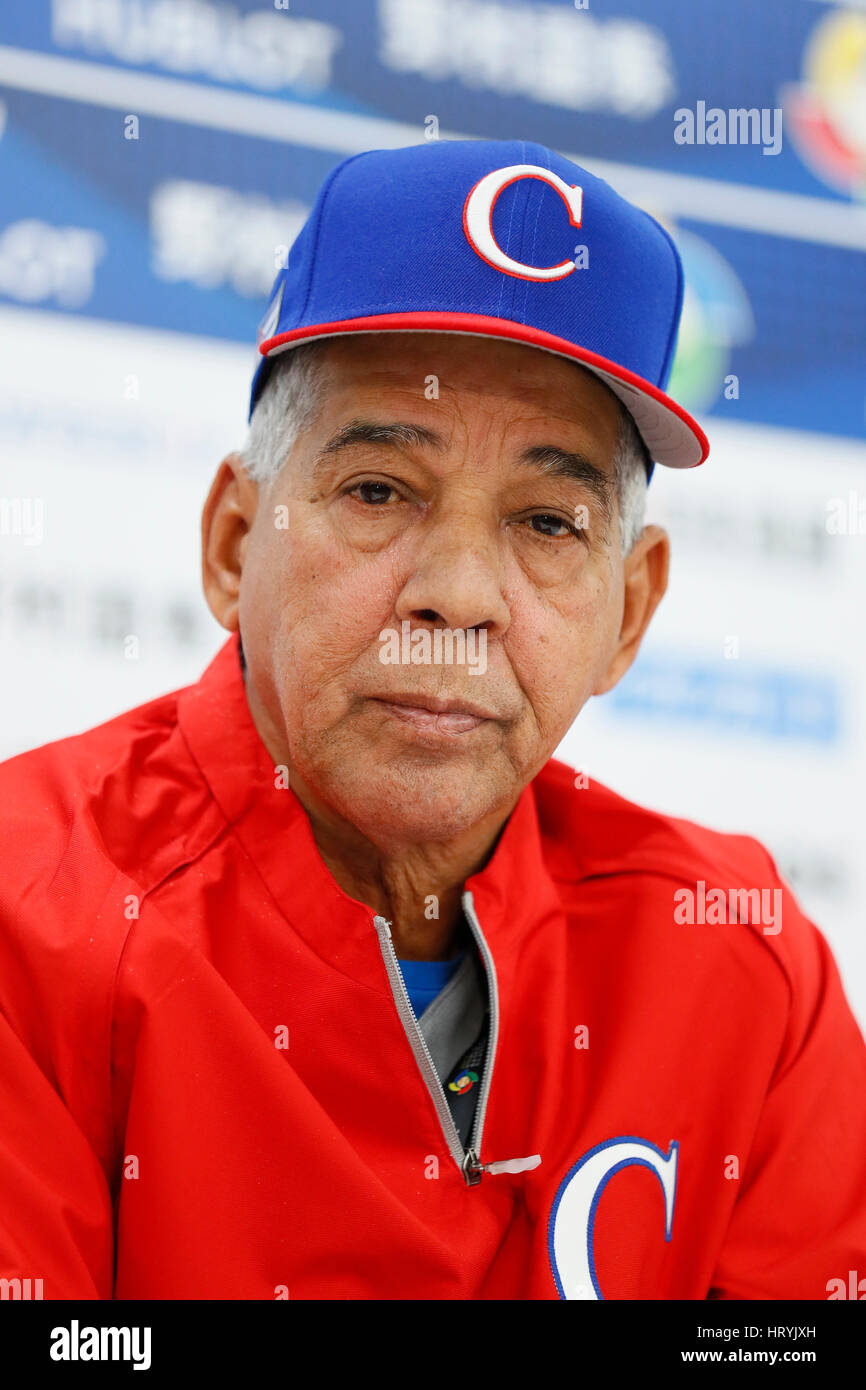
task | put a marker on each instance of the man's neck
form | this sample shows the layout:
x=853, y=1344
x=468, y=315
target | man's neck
x=417, y=889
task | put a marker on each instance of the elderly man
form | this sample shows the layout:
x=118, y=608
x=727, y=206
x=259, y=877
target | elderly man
x=321, y=978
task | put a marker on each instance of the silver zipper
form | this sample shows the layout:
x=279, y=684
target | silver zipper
x=467, y=1160
x=490, y=971
x=416, y=1038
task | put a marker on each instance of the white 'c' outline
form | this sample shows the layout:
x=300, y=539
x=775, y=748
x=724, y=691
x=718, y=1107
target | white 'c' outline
x=478, y=214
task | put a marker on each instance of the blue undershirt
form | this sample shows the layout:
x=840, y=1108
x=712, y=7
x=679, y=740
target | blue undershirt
x=427, y=978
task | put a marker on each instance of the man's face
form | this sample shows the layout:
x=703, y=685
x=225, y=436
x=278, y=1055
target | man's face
x=464, y=518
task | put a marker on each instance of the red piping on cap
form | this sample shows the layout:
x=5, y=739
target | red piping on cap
x=447, y=322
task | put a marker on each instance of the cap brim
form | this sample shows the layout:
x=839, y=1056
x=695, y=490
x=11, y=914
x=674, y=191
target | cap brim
x=672, y=437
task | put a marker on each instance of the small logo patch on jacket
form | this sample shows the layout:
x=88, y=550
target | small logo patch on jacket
x=463, y=1081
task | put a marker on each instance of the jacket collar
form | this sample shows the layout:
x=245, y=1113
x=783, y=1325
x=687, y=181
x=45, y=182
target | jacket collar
x=512, y=893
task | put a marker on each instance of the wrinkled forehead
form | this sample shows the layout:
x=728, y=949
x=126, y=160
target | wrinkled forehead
x=448, y=369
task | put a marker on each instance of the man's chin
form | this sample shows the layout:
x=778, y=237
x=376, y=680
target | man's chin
x=394, y=804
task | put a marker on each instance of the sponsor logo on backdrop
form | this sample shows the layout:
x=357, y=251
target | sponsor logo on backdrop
x=717, y=317
x=260, y=49
x=212, y=236
x=825, y=113
x=553, y=54
x=41, y=263
x=765, y=702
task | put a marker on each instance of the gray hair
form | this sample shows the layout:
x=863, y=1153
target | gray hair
x=631, y=468
x=290, y=396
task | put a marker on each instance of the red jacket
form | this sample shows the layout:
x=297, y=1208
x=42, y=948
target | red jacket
x=207, y=1090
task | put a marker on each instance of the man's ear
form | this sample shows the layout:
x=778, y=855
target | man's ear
x=646, y=579
x=226, y=521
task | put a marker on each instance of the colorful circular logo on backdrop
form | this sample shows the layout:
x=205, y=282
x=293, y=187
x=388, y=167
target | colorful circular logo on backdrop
x=826, y=112
x=716, y=317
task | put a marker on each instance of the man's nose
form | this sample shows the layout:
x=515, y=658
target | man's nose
x=456, y=574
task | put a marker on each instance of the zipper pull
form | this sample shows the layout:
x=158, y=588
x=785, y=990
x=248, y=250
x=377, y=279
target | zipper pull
x=473, y=1170
x=513, y=1165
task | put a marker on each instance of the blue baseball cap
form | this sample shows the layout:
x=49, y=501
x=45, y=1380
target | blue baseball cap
x=497, y=239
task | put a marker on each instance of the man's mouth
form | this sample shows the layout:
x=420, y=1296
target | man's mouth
x=428, y=714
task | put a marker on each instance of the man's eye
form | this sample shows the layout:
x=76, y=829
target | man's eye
x=373, y=493
x=551, y=526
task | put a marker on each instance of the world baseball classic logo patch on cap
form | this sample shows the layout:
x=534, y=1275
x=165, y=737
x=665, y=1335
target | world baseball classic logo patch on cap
x=271, y=318
x=502, y=239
